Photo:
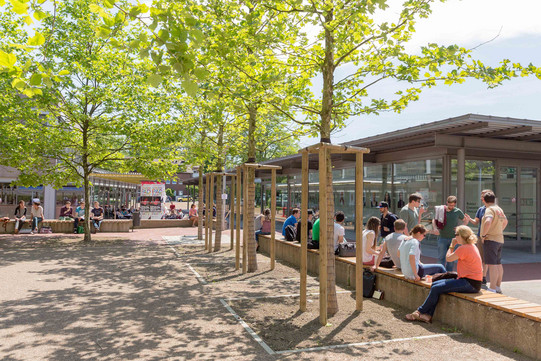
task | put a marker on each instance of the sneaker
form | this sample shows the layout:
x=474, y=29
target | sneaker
x=31, y=232
x=75, y=231
x=484, y=286
x=491, y=290
x=499, y=290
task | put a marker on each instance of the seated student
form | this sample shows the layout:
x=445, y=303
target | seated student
x=391, y=243
x=36, y=212
x=469, y=269
x=126, y=213
x=410, y=255
x=193, y=215
x=265, y=221
x=79, y=216
x=97, y=215
x=310, y=227
x=315, y=236
x=20, y=216
x=370, y=234
x=291, y=220
x=66, y=212
x=339, y=231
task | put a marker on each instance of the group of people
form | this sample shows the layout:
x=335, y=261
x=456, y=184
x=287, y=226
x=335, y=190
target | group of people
x=459, y=248
x=67, y=212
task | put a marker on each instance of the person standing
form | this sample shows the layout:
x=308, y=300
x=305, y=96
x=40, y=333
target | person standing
x=453, y=215
x=412, y=212
x=492, y=226
x=36, y=212
x=20, y=216
x=477, y=222
x=387, y=219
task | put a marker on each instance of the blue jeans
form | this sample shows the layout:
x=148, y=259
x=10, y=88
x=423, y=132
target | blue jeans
x=430, y=269
x=35, y=222
x=444, y=286
x=443, y=246
x=97, y=224
x=257, y=233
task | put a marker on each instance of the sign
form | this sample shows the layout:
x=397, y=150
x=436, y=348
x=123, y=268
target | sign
x=152, y=200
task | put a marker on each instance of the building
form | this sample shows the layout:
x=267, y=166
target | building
x=456, y=156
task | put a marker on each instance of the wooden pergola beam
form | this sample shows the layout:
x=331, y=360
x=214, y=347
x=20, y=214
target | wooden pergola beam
x=341, y=149
x=261, y=166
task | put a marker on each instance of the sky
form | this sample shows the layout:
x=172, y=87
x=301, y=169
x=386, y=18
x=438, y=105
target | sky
x=466, y=23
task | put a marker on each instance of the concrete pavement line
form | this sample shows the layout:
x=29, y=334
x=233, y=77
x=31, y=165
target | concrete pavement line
x=323, y=348
x=254, y=335
x=197, y=275
x=278, y=296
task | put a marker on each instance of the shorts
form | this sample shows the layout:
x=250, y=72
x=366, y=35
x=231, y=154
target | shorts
x=479, y=245
x=493, y=252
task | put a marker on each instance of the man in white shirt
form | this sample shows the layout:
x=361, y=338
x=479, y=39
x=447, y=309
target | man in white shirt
x=339, y=231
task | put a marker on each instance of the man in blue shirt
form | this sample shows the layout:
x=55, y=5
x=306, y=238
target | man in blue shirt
x=292, y=220
x=477, y=221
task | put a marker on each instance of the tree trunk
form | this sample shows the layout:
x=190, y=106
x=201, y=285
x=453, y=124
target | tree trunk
x=219, y=203
x=249, y=202
x=325, y=132
x=86, y=185
x=200, y=205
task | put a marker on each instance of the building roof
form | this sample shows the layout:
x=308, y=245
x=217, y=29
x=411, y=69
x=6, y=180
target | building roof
x=482, y=131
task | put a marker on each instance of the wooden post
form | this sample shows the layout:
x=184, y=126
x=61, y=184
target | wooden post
x=237, y=245
x=207, y=213
x=304, y=229
x=323, y=235
x=211, y=208
x=244, y=234
x=232, y=213
x=359, y=231
x=273, y=220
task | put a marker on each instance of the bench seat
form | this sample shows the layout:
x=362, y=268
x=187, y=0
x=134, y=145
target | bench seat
x=58, y=226
x=508, y=321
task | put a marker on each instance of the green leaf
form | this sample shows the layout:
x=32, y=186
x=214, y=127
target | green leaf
x=64, y=72
x=35, y=80
x=200, y=73
x=155, y=80
x=197, y=35
x=190, y=87
x=19, y=7
x=95, y=8
x=40, y=15
x=47, y=81
x=18, y=84
x=7, y=60
x=36, y=40
x=29, y=92
x=28, y=20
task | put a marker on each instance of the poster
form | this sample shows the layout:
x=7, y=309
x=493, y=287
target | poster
x=152, y=200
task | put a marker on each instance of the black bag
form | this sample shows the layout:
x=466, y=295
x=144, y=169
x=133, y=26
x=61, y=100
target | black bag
x=346, y=249
x=291, y=233
x=313, y=244
x=369, y=283
x=444, y=276
x=386, y=262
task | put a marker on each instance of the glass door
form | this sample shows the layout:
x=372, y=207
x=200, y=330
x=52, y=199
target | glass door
x=527, y=207
x=507, y=198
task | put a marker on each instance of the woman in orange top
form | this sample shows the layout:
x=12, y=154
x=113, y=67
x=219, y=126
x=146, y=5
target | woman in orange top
x=469, y=269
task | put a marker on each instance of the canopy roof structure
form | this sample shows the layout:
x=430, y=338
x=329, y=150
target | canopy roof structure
x=481, y=135
x=131, y=177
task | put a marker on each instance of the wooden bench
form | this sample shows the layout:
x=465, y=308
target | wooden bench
x=58, y=226
x=508, y=321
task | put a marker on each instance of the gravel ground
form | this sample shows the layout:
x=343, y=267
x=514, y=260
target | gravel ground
x=130, y=301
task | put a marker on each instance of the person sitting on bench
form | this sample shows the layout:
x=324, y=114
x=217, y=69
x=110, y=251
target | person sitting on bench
x=20, y=216
x=469, y=269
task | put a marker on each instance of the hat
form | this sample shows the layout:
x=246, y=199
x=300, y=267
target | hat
x=383, y=205
x=36, y=200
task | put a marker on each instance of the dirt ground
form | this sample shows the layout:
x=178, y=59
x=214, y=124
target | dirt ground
x=131, y=300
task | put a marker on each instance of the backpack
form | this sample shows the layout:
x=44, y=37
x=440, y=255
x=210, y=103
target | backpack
x=291, y=233
x=346, y=249
x=369, y=283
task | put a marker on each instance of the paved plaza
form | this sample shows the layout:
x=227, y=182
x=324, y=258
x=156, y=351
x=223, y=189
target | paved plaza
x=155, y=294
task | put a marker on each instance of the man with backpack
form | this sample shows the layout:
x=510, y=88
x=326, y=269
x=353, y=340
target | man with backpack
x=290, y=233
x=445, y=228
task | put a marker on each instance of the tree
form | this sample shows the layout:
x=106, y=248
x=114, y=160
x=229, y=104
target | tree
x=347, y=36
x=103, y=115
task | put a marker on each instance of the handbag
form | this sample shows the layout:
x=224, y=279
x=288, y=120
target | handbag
x=444, y=276
x=45, y=230
x=386, y=262
x=369, y=283
x=346, y=249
